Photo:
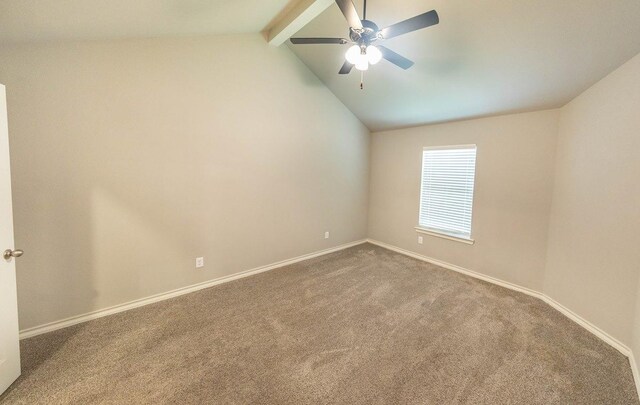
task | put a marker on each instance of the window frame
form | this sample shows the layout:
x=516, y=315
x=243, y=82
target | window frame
x=439, y=232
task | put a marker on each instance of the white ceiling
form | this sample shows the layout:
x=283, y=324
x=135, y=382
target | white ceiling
x=35, y=20
x=485, y=57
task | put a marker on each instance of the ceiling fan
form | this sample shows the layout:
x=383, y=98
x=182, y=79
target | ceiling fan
x=364, y=33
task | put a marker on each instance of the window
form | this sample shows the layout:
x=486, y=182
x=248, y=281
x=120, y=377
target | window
x=446, y=195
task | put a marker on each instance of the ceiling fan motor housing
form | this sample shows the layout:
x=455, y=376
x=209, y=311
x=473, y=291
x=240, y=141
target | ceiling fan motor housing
x=366, y=35
x=363, y=33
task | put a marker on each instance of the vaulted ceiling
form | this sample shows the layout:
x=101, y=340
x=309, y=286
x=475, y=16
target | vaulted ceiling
x=486, y=57
x=35, y=20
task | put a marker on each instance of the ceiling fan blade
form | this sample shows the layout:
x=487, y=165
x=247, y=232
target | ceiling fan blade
x=350, y=13
x=346, y=68
x=302, y=41
x=412, y=24
x=395, y=58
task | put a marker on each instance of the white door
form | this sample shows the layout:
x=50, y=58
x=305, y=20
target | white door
x=9, y=346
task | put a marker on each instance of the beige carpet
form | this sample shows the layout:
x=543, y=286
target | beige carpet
x=361, y=326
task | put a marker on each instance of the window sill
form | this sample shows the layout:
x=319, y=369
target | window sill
x=444, y=235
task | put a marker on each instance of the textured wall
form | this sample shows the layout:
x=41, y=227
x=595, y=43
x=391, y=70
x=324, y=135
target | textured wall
x=560, y=185
x=514, y=180
x=131, y=158
x=593, y=258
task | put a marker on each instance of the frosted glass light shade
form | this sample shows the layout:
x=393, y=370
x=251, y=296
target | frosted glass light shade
x=361, y=60
x=362, y=64
x=373, y=54
x=354, y=55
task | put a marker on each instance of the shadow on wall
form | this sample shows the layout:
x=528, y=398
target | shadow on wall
x=131, y=158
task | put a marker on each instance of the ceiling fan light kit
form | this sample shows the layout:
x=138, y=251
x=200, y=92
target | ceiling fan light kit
x=364, y=33
x=361, y=57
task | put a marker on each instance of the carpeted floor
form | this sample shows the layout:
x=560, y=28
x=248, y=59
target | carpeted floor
x=361, y=326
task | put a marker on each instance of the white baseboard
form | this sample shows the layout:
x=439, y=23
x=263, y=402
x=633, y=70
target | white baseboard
x=634, y=370
x=622, y=348
x=613, y=342
x=63, y=323
x=458, y=269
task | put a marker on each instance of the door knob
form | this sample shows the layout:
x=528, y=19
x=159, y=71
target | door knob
x=8, y=254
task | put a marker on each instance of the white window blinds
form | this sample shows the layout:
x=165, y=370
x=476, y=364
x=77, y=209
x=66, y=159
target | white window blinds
x=446, y=196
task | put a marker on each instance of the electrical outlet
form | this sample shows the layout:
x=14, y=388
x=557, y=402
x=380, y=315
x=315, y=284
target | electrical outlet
x=420, y=240
x=199, y=262
x=326, y=235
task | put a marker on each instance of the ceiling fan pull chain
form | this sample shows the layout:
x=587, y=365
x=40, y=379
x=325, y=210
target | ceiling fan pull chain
x=362, y=80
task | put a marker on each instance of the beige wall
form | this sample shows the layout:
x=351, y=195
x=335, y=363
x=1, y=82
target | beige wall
x=131, y=158
x=514, y=173
x=562, y=185
x=594, y=236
